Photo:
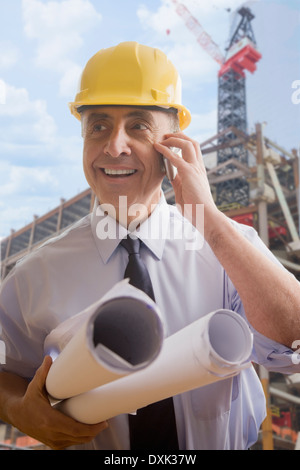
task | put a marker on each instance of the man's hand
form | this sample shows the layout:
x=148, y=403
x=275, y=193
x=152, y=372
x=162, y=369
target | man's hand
x=263, y=286
x=33, y=415
x=191, y=184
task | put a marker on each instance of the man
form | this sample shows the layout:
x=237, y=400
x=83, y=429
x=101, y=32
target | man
x=131, y=114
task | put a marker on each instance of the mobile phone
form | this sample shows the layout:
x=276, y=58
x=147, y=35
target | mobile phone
x=170, y=169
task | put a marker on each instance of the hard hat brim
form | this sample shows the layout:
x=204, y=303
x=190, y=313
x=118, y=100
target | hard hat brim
x=184, y=114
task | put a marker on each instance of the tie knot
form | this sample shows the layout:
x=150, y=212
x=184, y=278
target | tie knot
x=132, y=245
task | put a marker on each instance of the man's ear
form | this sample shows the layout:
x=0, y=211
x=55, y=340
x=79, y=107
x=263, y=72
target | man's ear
x=82, y=127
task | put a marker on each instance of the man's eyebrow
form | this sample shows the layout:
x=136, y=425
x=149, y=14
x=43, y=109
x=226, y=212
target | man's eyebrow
x=94, y=116
x=141, y=113
x=138, y=113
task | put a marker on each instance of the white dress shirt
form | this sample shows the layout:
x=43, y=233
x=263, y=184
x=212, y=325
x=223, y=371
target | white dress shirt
x=73, y=270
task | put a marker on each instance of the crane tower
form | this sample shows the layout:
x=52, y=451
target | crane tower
x=232, y=110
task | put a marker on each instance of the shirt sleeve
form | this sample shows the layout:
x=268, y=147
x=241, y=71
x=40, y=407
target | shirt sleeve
x=22, y=351
x=273, y=356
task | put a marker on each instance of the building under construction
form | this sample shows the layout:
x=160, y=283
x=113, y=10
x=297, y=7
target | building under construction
x=253, y=180
x=273, y=210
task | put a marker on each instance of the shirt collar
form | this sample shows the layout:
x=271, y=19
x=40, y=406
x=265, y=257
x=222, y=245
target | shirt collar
x=108, y=233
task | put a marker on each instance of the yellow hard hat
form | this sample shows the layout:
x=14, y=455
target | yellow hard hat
x=131, y=74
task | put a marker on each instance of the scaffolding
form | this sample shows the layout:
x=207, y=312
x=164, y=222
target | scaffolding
x=12, y=439
x=23, y=241
x=272, y=174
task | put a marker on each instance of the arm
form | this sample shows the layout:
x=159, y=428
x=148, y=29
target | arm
x=26, y=407
x=270, y=295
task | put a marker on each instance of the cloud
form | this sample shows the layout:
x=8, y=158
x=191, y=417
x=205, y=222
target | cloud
x=14, y=217
x=69, y=80
x=2, y=91
x=21, y=189
x=172, y=36
x=15, y=214
x=26, y=190
x=26, y=181
x=24, y=121
x=174, y=32
x=193, y=64
x=203, y=125
x=58, y=23
x=163, y=20
x=58, y=29
x=9, y=55
x=38, y=165
x=167, y=19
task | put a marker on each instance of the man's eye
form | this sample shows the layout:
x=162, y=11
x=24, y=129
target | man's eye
x=140, y=126
x=98, y=128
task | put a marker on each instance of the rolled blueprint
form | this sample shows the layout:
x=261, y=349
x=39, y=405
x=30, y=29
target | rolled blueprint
x=213, y=348
x=119, y=334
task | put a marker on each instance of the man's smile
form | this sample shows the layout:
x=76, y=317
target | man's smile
x=114, y=172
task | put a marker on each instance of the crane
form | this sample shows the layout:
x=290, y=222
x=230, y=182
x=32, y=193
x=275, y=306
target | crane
x=242, y=54
x=201, y=35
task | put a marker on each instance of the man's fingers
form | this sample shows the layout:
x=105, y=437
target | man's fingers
x=74, y=428
x=42, y=372
x=174, y=158
x=191, y=152
x=187, y=148
x=181, y=137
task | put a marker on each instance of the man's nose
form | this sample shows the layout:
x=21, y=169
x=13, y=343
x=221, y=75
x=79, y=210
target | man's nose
x=117, y=143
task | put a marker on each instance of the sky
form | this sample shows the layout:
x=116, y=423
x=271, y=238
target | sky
x=45, y=44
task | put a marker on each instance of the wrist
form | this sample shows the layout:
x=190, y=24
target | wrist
x=215, y=224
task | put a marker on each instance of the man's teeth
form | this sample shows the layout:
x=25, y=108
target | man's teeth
x=109, y=171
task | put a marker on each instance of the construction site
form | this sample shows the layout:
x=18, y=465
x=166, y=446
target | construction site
x=254, y=181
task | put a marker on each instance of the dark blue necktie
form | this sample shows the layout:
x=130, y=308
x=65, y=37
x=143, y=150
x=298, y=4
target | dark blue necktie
x=136, y=269
x=153, y=427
